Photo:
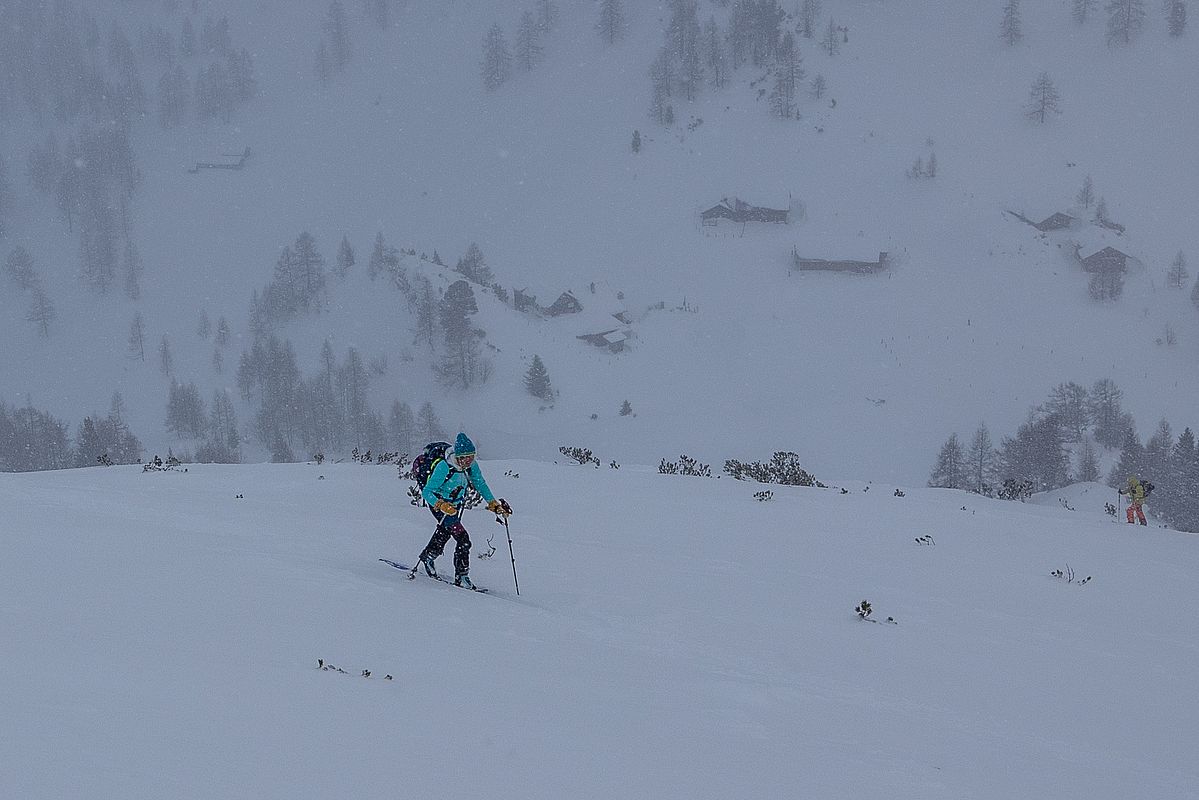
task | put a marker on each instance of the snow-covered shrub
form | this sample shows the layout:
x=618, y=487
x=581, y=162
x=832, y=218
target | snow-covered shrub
x=580, y=455
x=686, y=465
x=783, y=468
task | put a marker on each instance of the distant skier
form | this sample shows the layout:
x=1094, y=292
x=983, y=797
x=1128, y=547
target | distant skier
x=1136, y=496
x=445, y=492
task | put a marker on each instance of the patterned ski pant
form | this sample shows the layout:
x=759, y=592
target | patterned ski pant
x=447, y=527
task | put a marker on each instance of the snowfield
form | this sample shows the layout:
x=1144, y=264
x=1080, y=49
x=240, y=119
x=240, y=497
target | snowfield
x=674, y=638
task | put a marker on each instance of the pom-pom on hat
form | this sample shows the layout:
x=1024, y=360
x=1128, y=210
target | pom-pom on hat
x=463, y=446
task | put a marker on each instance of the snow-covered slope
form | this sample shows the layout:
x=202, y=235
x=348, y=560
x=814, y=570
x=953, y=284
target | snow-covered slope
x=977, y=319
x=673, y=638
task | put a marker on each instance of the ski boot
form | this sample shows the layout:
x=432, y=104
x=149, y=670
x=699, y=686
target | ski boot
x=430, y=567
x=464, y=582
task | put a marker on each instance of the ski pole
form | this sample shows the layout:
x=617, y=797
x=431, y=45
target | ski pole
x=507, y=509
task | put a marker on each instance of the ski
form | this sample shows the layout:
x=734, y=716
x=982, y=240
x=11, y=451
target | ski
x=413, y=570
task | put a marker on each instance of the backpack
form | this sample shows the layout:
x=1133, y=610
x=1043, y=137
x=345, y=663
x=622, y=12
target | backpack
x=1148, y=487
x=423, y=465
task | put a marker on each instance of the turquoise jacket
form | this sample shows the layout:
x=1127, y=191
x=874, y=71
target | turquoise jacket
x=449, y=483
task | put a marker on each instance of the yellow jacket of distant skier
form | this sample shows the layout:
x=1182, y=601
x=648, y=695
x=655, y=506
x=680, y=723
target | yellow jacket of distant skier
x=1135, y=491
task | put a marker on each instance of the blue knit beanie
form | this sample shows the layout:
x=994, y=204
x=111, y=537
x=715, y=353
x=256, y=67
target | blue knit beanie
x=463, y=446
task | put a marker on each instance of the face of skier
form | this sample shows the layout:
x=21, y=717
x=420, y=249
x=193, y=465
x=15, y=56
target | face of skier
x=465, y=460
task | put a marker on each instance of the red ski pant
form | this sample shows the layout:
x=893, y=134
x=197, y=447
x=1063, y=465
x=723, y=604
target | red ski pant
x=1135, y=507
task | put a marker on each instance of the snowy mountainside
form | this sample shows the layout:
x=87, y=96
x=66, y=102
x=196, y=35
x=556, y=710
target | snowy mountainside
x=673, y=638
x=976, y=320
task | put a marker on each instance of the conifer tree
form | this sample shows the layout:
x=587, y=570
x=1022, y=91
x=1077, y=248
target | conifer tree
x=636, y=141
x=185, y=410
x=715, y=59
x=402, y=429
x=951, y=469
x=1043, y=99
x=537, y=381
x=473, y=266
x=337, y=28
x=1132, y=457
x=1106, y=412
x=462, y=364
x=1011, y=29
x=20, y=268
x=165, y=360
x=1082, y=10
x=529, y=51
x=41, y=310
x=832, y=38
x=1036, y=453
x=308, y=271
x=790, y=74
x=497, y=59
x=133, y=271
x=345, y=257
x=353, y=385
x=809, y=13
x=384, y=258
x=137, y=337
x=1125, y=20
x=425, y=324
x=611, y=24
x=428, y=423
x=1155, y=463
x=1086, y=195
x=1071, y=403
x=1177, y=275
x=1088, y=463
x=547, y=15
x=982, y=461
x=1176, y=16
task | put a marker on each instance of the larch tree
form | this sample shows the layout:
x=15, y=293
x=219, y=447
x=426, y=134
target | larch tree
x=337, y=28
x=137, y=337
x=981, y=461
x=345, y=258
x=20, y=268
x=1176, y=16
x=809, y=13
x=166, y=362
x=41, y=310
x=528, y=52
x=1088, y=463
x=497, y=59
x=1086, y=195
x=1177, y=275
x=611, y=23
x=1043, y=99
x=1125, y=20
x=1011, y=29
x=951, y=470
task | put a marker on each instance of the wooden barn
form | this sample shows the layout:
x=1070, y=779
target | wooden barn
x=1107, y=259
x=740, y=211
x=523, y=301
x=1055, y=222
x=566, y=303
x=613, y=340
x=1059, y=220
x=825, y=265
